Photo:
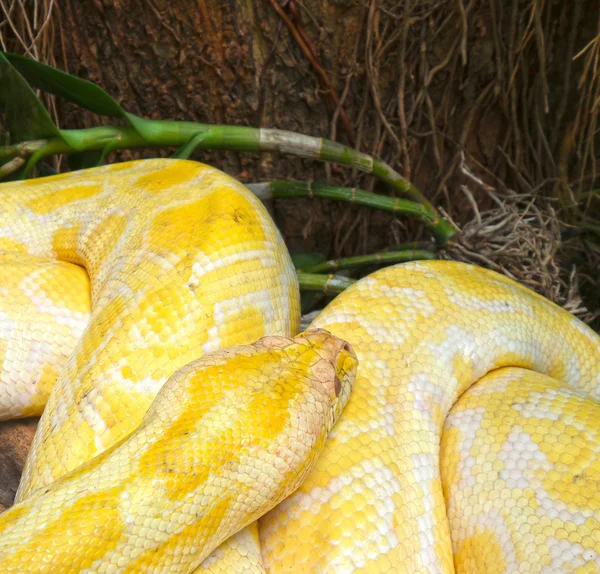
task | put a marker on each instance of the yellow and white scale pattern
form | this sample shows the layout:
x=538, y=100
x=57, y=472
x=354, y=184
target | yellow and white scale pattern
x=44, y=308
x=424, y=333
x=519, y=452
x=183, y=260
x=227, y=437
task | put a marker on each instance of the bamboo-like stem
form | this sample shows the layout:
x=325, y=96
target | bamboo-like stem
x=162, y=133
x=323, y=283
x=286, y=189
x=426, y=245
x=11, y=166
x=23, y=149
x=385, y=257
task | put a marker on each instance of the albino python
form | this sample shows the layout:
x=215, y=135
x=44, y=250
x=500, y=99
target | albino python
x=470, y=442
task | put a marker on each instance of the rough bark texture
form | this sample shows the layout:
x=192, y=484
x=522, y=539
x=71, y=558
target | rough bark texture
x=237, y=62
x=432, y=87
x=15, y=440
x=215, y=62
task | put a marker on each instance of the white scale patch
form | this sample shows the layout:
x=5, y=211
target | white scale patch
x=225, y=308
x=370, y=479
x=565, y=554
x=517, y=453
x=470, y=419
x=470, y=303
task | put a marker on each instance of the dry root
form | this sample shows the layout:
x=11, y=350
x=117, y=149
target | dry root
x=521, y=237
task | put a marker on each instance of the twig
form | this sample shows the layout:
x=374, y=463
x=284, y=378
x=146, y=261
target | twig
x=373, y=78
x=323, y=283
x=288, y=189
x=401, y=88
x=383, y=257
x=11, y=166
x=315, y=64
x=159, y=133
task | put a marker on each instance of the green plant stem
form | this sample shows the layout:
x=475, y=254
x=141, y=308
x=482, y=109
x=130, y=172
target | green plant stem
x=323, y=283
x=371, y=259
x=23, y=149
x=425, y=245
x=161, y=133
x=11, y=166
x=287, y=189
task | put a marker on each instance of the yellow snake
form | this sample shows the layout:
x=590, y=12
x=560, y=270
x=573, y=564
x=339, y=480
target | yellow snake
x=470, y=441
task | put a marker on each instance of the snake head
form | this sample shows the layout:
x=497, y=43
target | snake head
x=332, y=364
x=337, y=355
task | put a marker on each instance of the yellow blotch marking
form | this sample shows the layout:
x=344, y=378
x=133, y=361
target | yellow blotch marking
x=57, y=196
x=262, y=405
x=11, y=244
x=95, y=336
x=246, y=323
x=81, y=445
x=49, y=181
x=117, y=404
x=84, y=532
x=43, y=388
x=181, y=469
x=481, y=552
x=169, y=175
x=67, y=285
x=64, y=243
x=168, y=552
x=225, y=218
x=112, y=227
x=269, y=421
x=127, y=372
x=127, y=165
x=12, y=516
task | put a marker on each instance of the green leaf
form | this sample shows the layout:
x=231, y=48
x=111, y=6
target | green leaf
x=82, y=92
x=306, y=260
x=25, y=116
x=186, y=150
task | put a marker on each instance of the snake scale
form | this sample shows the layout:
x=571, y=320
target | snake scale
x=186, y=430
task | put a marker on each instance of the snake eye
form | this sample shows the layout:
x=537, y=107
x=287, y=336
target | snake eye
x=338, y=386
x=345, y=366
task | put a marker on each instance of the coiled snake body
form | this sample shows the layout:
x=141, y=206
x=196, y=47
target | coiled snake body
x=470, y=441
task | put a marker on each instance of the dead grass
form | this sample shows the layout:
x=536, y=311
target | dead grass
x=29, y=27
x=510, y=91
x=520, y=236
